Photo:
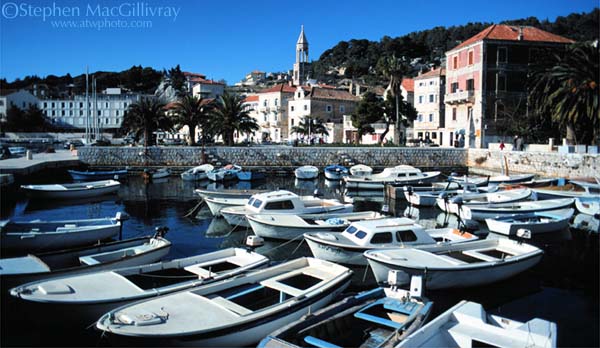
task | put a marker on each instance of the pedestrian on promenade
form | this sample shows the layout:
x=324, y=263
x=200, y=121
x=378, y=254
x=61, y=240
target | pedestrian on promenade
x=502, y=146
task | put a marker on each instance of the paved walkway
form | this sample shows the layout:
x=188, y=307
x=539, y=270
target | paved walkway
x=39, y=161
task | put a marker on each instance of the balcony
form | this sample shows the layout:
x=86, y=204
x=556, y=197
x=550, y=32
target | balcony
x=460, y=97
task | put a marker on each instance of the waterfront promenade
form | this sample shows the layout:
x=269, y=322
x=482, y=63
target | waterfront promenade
x=39, y=161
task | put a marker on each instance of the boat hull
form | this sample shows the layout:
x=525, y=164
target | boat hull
x=94, y=176
x=509, y=228
x=72, y=193
x=481, y=213
x=337, y=254
x=288, y=232
x=358, y=183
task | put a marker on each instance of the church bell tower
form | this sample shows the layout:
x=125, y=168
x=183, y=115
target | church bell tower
x=301, y=66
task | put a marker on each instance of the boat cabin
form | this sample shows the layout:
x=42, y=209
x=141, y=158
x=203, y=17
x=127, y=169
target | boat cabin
x=382, y=232
x=282, y=201
x=402, y=171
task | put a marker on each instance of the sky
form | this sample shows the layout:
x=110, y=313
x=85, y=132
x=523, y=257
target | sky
x=222, y=39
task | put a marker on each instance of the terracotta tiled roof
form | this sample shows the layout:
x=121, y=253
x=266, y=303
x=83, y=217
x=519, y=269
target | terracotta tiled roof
x=432, y=73
x=324, y=85
x=408, y=84
x=205, y=81
x=280, y=88
x=328, y=93
x=251, y=98
x=511, y=33
x=191, y=74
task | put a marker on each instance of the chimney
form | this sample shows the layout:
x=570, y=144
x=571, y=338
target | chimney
x=520, y=37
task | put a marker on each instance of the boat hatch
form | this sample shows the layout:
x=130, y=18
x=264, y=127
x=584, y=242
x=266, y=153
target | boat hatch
x=499, y=254
x=300, y=281
x=249, y=297
x=160, y=278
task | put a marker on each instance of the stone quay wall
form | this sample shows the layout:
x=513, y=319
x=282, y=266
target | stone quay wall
x=548, y=164
x=274, y=157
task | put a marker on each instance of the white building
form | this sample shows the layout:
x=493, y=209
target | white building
x=350, y=133
x=200, y=86
x=270, y=110
x=21, y=99
x=111, y=106
x=429, y=103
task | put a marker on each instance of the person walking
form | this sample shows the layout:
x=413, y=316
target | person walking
x=502, y=146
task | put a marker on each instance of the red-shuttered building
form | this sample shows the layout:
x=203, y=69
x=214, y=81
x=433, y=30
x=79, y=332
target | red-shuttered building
x=486, y=80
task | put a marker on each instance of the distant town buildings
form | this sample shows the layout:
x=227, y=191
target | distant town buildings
x=301, y=66
x=202, y=87
x=21, y=99
x=429, y=89
x=269, y=109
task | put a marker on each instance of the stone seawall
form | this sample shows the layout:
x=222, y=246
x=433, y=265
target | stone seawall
x=283, y=157
x=550, y=164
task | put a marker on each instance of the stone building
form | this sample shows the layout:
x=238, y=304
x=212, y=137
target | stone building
x=429, y=103
x=270, y=109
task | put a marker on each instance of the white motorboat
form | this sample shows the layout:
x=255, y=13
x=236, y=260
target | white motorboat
x=534, y=223
x=364, y=320
x=467, y=325
x=131, y=252
x=428, y=198
x=454, y=265
x=451, y=205
x=76, y=190
x=306, y=172
x=335, y=172
x=197, y=173
x=348, y=247
x=361, y=170
x=485, y=211
x=38, y=235
x=588, y=205
x=282, y=202
x=217, y=203
x=465, y=179
x=86, y=297
x=228, y=193
x=229, y=172
x=400, y=174
x=230, y=313
x=288, y=226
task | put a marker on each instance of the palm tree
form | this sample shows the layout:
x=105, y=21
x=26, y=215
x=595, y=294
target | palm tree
x=145, y=117
x=567, y=90
x=229, y=117
x=394, y=69
x=309, y=125
x=192, y=111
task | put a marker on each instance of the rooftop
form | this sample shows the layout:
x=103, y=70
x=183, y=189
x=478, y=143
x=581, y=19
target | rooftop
x=408, y=84
x=328, y=93
x=282, y=87
x=432, y=73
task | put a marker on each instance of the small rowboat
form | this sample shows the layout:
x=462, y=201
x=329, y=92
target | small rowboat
x=536, y=222
x=335, y=172
x=97, y=175
x=306, y=172
x=77, y=190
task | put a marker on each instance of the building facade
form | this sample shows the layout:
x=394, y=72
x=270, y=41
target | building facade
x=21, y=99
x=429, y=103
x=270, y=110
x=486, y=80
x=109, y=109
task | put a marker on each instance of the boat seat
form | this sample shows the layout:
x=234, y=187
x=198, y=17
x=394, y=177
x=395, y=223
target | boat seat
x=478, y=255
x=230, y=306
x=106, y=256
x=319, y=342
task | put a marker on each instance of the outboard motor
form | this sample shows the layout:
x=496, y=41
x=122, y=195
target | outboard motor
x=317, y=193
x=161, y=231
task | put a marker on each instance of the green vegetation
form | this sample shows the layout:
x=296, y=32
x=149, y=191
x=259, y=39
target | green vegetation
x=145, y=117
x=30, y=120
x=192, y=112
x=309, y=125
x=229, y=117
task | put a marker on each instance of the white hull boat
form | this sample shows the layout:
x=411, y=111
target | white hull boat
x=38, y=235
x=348, y=247
x=401, y=174
x=428, y=198
x=287, y=227
x=451, y=205
x=535, y=223
x=197, y=173
x=229, y=193
x=482, y=212
x=467, y=325
x=589, y=206
x=587, y=223
x=161, y=173
x=229, y=172
x=306, y=172
x=282, y=202
x=241, y=311
x=335, y=172
x=106, y=256
x=216, y=204
x=77, y=190
x=567, y=191
x=364, y=320
x=510, y=179
x=456, y=265
x=86, y=297
x=361, y=170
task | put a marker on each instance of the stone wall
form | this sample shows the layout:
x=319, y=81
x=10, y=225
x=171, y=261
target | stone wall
x=274, y=156
x=550, y=164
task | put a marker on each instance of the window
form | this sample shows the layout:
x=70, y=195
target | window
x=299, y=94
x=70, y=112
x=52, y=104
x=420, y=99
x=501, y=83
x=53, y=113
x=292, y=108
x=470, y=84
x=80, y=105
x=420, y=118
x=382, y=238
x=282, y=205
x=45, y=104
x=470, y=59
x=117, y=113
x=62, y=113
x=421, y=83
x=292, y=122
x=430, y=117
x=264, y=103
x=71, y=104
x=342, y=109
x=432, y=82
x=454, y=87
x=431, y=98
x=62, y=105
x=361, y=234
x=106, y=121
x=80, y=112
x=328, y=108
x=276, y=101
x=305, y=107
x=502, y=55
x=351, y=229
x=406, y=236
x=257, y=203
x=433, y=135
x=453, y=114
x=455, y=62
x=106, y=105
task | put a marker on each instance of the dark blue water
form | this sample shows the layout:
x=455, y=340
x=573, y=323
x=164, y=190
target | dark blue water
x=562, y=288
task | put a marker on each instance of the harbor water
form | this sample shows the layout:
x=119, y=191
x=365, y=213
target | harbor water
x=562, y=288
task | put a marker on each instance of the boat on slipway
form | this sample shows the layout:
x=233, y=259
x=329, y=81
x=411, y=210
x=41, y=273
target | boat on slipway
x=86, y=297
x=468, y=325
x=229, y=313
x=76, y=190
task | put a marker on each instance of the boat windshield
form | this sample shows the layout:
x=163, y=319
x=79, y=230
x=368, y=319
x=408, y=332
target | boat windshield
x=351, y=230
x=257, y=203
